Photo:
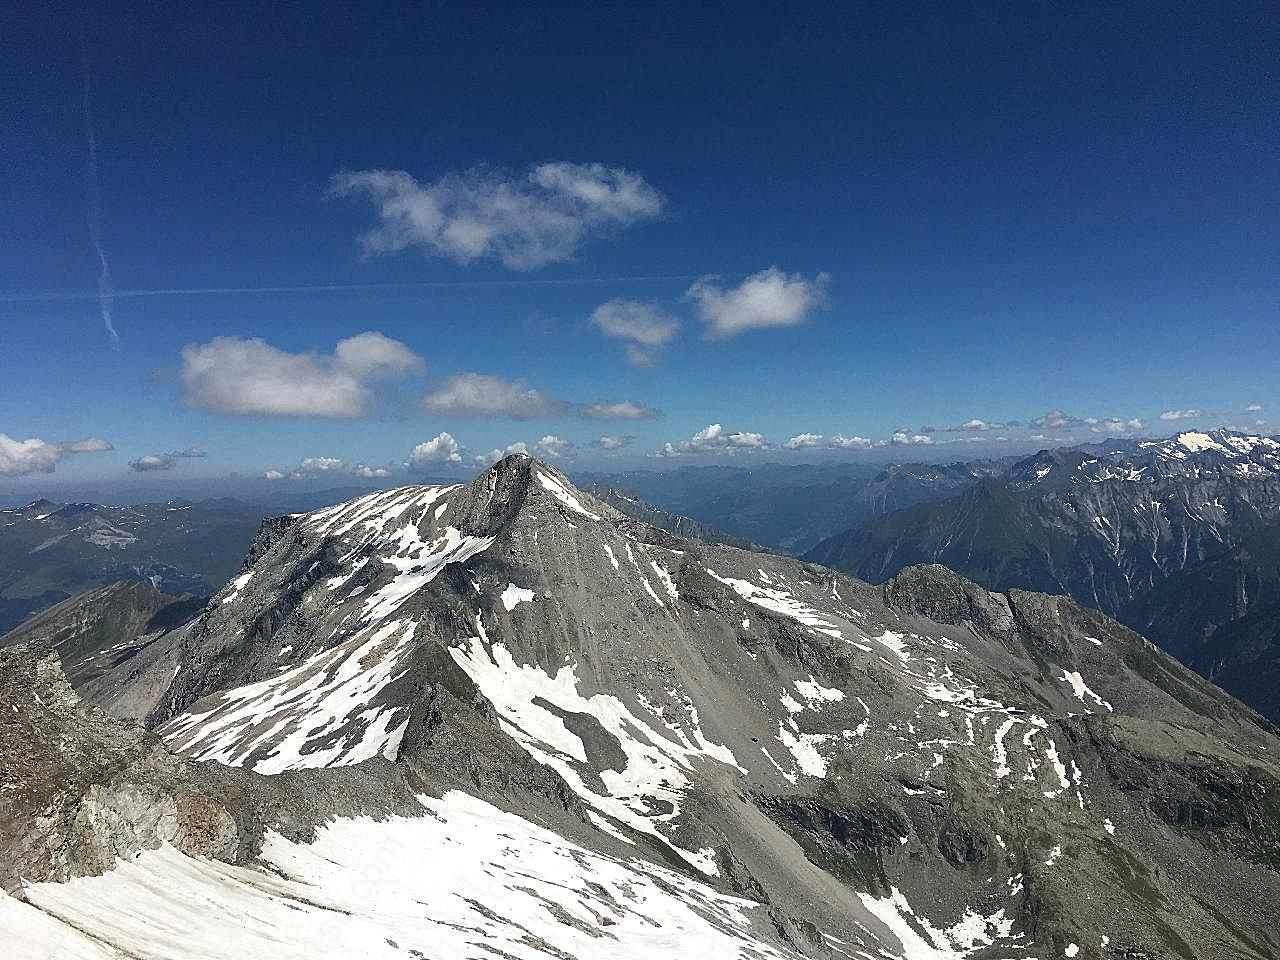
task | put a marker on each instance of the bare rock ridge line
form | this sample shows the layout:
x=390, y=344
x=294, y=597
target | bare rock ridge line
x=544, y=728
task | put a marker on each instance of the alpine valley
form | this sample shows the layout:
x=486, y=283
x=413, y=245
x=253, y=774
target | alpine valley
x=504, y=719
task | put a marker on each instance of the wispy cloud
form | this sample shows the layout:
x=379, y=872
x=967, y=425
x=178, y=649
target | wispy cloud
x=21, y=457
x=770, y=298
x=1058, y=420
x=93, y=202
x=974, y=424
x=309, y=468
x=230, y=375
x=1189, y=414
x=524, y=222
x=646, y=327
x=164, y=461
x=617, y=410
x=484, y=395
x=553, y=447
x=1253, y=408
x=612, y=442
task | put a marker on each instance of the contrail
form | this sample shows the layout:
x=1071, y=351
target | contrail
x=93, y=213
x=341, y=287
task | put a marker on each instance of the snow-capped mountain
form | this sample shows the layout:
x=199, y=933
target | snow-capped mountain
x=1116, y=528
x=503, y=719
x=1212, y=455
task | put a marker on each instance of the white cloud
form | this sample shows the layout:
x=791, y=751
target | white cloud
x=553, y=446
x=164, y=461
x=841, y=442
x=1056, y=420
x=975, y=424
x=1253, y=408
x=483, y=395
x=1191, y=414
x=250, y=377
x=803, y=441
x=321, y=465
x=442, y=448
x=372, y=473
x=903, y=438
x=612, y=443
x=20, y=457
x=646, y=327
x=769, y=298
x=712, y=439
x=309, y=468
x=617, y=410
x=1114, y=424
x=524, y=222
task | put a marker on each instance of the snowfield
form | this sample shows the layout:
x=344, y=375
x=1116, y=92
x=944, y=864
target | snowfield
x=467, y=880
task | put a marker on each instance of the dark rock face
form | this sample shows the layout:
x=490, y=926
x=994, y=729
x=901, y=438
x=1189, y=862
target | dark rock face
x=1019, y=771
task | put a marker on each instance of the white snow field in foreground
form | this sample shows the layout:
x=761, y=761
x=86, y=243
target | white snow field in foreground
x=467, y=880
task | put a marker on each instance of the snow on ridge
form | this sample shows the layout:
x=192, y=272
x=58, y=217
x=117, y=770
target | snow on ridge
x=656, y=766
x=1198, y=442
x=321, y=713
x=564, y=495
x=375, y=511
x=416, y=570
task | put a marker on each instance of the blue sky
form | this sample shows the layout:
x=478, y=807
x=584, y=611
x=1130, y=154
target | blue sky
x=902, y=219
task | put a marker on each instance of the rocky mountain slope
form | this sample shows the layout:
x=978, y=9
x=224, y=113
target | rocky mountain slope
x=50, y=551
x=1161, y=536
x=596, y=739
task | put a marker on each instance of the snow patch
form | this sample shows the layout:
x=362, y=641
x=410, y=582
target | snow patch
x=513, y=595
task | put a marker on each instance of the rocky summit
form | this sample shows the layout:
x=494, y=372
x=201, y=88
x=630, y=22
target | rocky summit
x=505, y=720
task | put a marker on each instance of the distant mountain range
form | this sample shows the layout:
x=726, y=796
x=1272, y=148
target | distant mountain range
x=1177, y=538
x=49, y=551
x=787, y=508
